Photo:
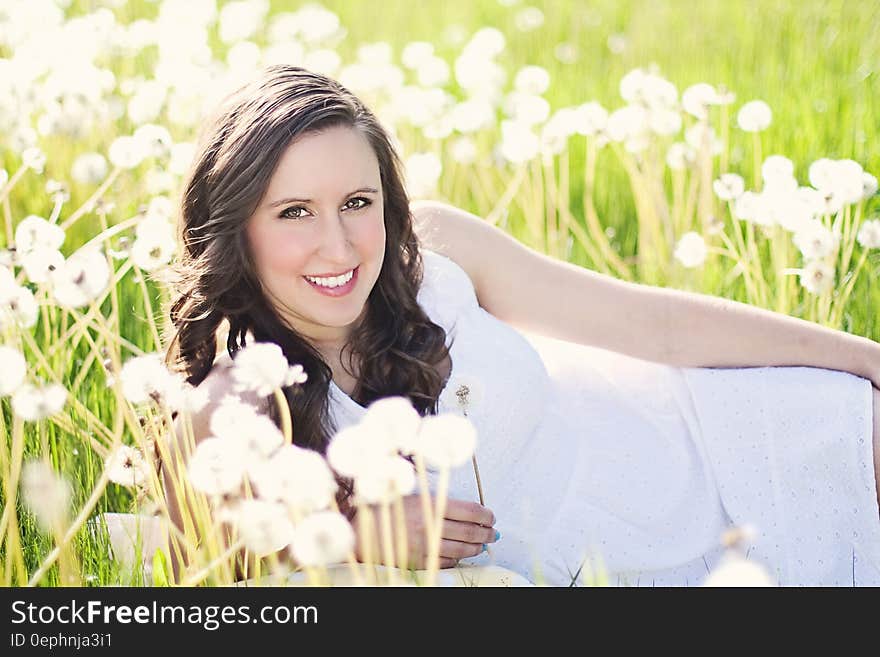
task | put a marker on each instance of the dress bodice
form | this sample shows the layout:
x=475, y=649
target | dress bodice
x=506, y=377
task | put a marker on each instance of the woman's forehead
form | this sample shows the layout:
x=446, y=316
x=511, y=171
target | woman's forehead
x=332, y=160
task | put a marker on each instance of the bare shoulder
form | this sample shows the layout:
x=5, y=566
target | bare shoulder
x=484, y=251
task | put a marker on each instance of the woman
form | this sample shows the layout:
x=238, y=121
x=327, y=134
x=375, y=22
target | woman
x=605, y=429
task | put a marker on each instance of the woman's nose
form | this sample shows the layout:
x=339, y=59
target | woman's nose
x=336, y=242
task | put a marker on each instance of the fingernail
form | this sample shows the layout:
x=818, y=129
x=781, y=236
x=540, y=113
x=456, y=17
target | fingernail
x=497, y=534
x=484, y=548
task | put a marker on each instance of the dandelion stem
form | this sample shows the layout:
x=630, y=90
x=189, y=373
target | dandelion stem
x=90, y=203
x=284, y=412
x=72, y=529
x=435, y=529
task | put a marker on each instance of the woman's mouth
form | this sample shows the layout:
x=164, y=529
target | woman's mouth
x=336, y=286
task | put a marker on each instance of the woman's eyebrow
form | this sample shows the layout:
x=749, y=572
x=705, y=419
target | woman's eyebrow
x=282, y=201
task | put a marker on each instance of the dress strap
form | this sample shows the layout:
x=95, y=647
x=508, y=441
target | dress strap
x=447, y=291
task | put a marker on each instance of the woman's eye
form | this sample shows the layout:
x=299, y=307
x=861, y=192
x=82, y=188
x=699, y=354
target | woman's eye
x=296, y=208
x=365, y=201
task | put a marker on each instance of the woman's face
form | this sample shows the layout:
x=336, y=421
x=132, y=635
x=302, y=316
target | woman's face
x=322, y=215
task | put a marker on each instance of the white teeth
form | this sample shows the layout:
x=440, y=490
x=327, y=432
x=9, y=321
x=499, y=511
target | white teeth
x=333, y=281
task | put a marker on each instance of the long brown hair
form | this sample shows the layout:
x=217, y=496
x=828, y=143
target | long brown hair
x=397, y=345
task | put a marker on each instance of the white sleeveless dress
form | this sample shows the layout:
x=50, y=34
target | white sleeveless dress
x=638, y=468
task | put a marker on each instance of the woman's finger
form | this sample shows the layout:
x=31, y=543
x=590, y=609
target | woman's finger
x=458, y=550
x=467, y=532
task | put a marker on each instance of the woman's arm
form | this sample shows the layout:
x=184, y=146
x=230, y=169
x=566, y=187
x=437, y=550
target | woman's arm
x=549, y=297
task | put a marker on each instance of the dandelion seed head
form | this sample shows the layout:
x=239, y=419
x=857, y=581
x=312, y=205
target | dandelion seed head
x=217, y=466
x=532, y=80
x=40, y=262
x=34, y=232
x=264, y=526
x=528, y=19
x=89, y=169
x=734, y=570
x=869, y=234
x=422, y=174
x=126, y=466
x=729, y=186
x=33, y=158
x=518, y=143
x=754, y=116
x=357, y=449
x=416, y=53
x=817, y=277
x=146, y=379
x=260, y=367
x=32, y=403
x=391, y=477
x=463, y=150
x=322, y=538
x=18, y=306
x=698, y=98
x=13, y=372
x=394, y=420
x=446, y=440
x=869, y=186
x=241, y=19
x=691, y=250
x=127, y=152
x=679, y=156
x=815, y=241
x=46, y=494
x=299, y=478
x=81, y=278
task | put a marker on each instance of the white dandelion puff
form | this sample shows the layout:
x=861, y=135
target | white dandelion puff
x=729, y=186
x=32, y=403
x=13, y=372
x=390, y=477
x=216, y=467
x=299, y=478
x=34, y=232
x=869, y=234
x=127, y=152
x=356, y=449
x=126, y=466
x=264, y=526
x=735, y=570
x=691, y=250
x=446, y=441
x=817, y=277
x=18, y=306
x=754, y=116
x=89, y=169
x=322, y=538
x=146, y=379
x=395, y=421
x=815, y=241
x=422, y=173
x=262, y=367
x=776, y=168
x=46, y=494
x=869, y=185
x=81, y=278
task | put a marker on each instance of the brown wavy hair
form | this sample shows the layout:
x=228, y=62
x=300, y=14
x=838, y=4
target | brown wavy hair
x=397, y=346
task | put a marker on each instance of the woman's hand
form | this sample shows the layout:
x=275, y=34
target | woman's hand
x=466, y=527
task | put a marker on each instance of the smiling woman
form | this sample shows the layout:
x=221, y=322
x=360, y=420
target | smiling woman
x=298, y=231
x=296, y=179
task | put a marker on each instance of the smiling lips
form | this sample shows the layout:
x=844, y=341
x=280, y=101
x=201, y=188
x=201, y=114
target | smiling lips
x=334, y=286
